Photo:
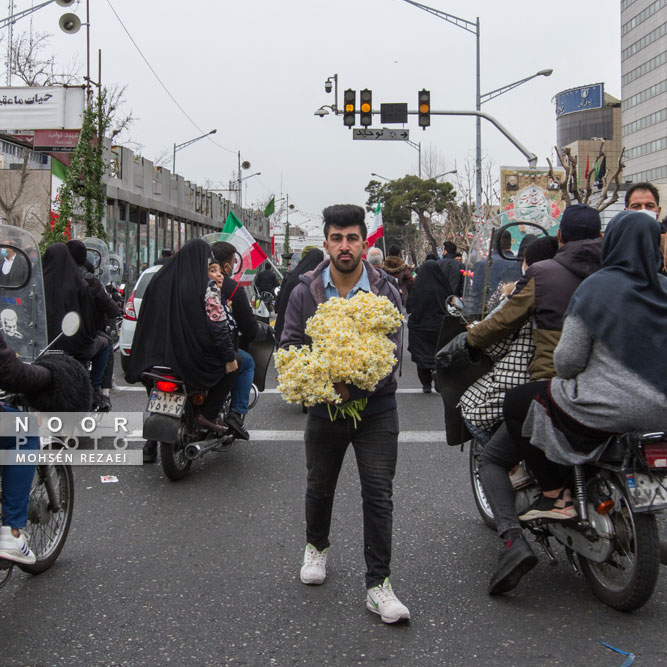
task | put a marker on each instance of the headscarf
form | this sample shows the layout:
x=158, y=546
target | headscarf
x=65, y=290
x=173, y=329
x=624, y=304
x=308, y=263
x=427, y=300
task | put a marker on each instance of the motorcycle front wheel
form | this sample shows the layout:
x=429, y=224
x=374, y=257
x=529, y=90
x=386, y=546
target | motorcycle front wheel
x=481, y=501
x=627, y=579
x=47, y=526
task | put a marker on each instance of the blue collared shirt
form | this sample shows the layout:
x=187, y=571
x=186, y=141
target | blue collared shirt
x=330, y=289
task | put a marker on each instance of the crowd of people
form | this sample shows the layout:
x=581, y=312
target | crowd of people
x=577, y=343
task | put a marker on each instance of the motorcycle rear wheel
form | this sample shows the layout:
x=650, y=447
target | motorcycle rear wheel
x=48, y=529
x=175, y=464
x=626, y=581
x=481, y=501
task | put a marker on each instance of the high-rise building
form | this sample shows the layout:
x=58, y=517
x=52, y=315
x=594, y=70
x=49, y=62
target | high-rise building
x=644, y=89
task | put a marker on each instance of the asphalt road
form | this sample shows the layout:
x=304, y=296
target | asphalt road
x=205, y=571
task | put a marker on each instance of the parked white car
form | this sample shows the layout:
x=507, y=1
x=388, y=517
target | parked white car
x=131, y=313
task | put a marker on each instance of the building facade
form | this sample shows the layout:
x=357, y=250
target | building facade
x=644, y=89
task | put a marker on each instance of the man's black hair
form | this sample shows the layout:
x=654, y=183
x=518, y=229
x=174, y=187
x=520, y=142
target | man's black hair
x=544, y=247
x=642, y=186
x=525, y=242
x=431, y=255
x=167, y=252
x=344, y=215
x=394, y=251
x=449, y=247
x=223, y=251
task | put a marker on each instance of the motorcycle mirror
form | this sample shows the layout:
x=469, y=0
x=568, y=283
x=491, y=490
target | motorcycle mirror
x=499, y=235
x=70, y=324
x=454, y=306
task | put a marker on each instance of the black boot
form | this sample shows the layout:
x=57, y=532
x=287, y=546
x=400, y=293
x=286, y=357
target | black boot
x=515, y=559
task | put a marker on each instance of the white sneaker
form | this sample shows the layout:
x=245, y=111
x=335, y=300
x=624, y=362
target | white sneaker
x=314, y=566
x=383, y=601
x=15, y=548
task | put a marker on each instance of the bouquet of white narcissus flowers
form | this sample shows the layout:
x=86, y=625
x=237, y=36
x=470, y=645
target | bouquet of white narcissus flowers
x=350, y=345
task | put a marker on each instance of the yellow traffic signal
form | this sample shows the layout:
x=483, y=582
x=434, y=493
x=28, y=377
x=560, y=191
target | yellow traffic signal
x=349, y=104
x=366, y=107
x=424, y=99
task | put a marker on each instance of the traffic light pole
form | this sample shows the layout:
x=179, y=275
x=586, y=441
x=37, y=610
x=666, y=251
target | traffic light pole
x=530, y=156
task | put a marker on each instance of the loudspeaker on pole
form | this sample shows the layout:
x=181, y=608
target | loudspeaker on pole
x=69, y=23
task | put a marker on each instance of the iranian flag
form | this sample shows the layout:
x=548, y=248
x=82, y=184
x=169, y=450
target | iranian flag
x=376, y=228
x=235, y=233
x=269, y=212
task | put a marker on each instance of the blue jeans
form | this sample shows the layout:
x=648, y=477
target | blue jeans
x=375, y=442
x=16, y=483
x=241, y=391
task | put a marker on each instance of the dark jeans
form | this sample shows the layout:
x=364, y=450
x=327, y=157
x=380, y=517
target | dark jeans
x=375, y=443
x=216, y=395
x=508, y=447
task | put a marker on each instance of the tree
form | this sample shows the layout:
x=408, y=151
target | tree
x=599, y=174
x=31, y=66
x=410, y=195
x=82, y=196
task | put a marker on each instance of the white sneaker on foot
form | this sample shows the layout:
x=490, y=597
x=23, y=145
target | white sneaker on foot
x=314, y=566
x=15, y=548
x=383, y=601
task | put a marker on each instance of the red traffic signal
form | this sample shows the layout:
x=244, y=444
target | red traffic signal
x=349, y=107
x=424, y=99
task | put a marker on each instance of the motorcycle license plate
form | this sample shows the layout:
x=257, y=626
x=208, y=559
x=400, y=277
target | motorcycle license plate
x=166, y=403
x=646, y=491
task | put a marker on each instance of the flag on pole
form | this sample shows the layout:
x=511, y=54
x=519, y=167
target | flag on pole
x=269, y=212
x=588, y=167
x=252, y=255
x=376, y=228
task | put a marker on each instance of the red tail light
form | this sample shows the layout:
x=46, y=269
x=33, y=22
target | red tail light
x=130, y=313
x=165, y=385
x=655, y=454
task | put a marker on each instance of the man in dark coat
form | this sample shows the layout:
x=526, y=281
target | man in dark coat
x=266, y=280
x=374, y=437
x=452, y=268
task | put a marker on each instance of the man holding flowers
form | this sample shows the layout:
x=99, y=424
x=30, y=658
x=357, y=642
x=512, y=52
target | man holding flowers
x=345, y=336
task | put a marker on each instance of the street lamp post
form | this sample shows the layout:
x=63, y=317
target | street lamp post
x=480, y=98
x=452, y=171
x=185, y=144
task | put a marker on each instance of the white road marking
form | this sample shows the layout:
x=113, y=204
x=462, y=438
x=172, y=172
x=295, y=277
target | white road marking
x=291, y=436
x=267, y=391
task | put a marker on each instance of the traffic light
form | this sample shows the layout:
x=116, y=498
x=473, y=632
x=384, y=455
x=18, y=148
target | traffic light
x=424, y=98
x=365, y=107
x=349, y=104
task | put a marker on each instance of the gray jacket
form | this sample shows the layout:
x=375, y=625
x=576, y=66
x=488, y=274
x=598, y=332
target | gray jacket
x=303, y=303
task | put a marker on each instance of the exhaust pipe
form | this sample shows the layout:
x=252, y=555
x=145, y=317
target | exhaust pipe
x=196, y=450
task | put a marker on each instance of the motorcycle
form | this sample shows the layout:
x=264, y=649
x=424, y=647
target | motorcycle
x=172, y=407
x=23, y=322
x=615, y=534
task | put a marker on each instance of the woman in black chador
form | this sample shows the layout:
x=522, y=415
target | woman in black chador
x=65, y=290
x=426, y=306
x=182, y=326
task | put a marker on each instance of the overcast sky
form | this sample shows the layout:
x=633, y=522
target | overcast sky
x=255, y=71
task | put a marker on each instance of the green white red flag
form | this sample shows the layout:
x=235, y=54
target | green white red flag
x=252, y=255
x=376, y=228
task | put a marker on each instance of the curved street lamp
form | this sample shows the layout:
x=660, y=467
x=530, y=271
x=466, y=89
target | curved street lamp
x=185, y=144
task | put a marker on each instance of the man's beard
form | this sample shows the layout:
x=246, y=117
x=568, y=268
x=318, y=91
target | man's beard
x=346, y=268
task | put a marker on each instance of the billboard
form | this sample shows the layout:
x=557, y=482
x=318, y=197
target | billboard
x=41, y=108
x=532, y=192
x=579, y=99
